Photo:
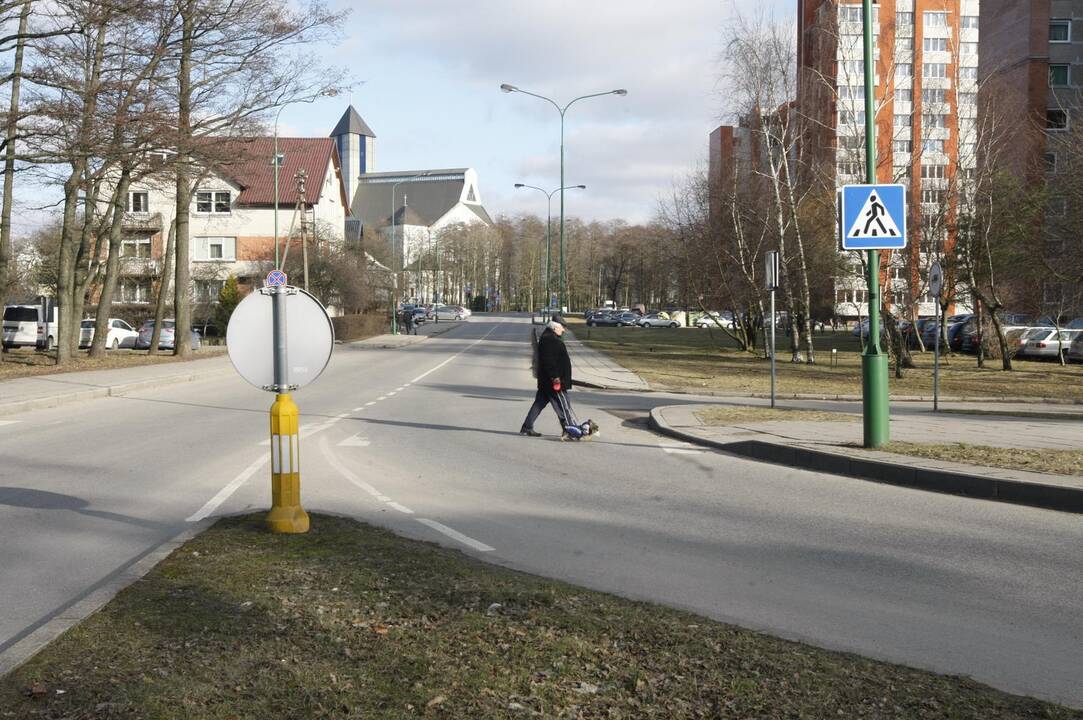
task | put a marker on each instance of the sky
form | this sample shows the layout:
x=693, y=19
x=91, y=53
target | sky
x=431, y=73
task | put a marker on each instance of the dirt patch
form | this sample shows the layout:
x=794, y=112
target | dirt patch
x=733, y=415
x=1058, y=462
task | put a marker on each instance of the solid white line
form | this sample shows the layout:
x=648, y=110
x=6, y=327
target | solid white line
x=228, y=490
x=9, y=422
x=346, y=473
x=456, y=535
x=429, y=372
x=400, y=508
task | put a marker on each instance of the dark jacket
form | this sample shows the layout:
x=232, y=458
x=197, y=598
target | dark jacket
x=553, y=361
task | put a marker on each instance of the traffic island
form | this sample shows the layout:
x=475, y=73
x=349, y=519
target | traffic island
x=353, y=621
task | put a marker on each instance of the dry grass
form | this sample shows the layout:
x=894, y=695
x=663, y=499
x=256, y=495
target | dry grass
x=1058, y=462
x=732, y=415
x=349, y=621
x=698, y=359
x=25, y=362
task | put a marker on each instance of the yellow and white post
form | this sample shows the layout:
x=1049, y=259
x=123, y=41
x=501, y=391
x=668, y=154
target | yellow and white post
x=286, y=515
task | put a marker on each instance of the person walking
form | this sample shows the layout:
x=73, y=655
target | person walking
x=554, y=372
x=408, y=322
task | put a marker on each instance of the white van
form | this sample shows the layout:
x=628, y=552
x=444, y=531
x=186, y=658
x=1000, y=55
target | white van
x=24, y=326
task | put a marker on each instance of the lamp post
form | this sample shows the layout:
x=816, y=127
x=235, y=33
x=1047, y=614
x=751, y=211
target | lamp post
x=276, y=161
x=395, y=284
x=562, y=110
x=548, y=224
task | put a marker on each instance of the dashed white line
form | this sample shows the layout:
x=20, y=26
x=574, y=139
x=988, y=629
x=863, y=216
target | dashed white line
x=456, y=535
x=223, y=494
x=393, y=392
x=371, y=402
x=400, y=508
x=358, y=409
x=382, y=397
x=8, y=422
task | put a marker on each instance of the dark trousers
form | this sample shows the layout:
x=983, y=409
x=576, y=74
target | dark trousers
x=558, y=400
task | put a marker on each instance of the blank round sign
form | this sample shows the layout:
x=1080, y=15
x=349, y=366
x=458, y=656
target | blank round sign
x=310, y=338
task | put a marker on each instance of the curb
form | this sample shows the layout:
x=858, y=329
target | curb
x=32, y=640
x=1048, y=497
x=857, y=398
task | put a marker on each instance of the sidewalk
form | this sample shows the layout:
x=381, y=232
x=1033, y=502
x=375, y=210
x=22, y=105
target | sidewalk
x=835, y=447
x=593, y=369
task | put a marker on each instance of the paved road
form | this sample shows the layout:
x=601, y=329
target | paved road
x=423, y=440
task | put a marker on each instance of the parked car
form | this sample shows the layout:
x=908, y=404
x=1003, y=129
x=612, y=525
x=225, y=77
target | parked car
x=613, y=319
x=419, y=314
x=657, y=320
x=24, y=326
x=166, y=339
x=448, y=312
x=1048, y=343
x=120, y=334
x=715, y=319
x=1075, y=350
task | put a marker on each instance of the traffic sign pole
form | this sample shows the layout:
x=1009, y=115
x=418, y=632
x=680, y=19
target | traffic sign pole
x=876, y=412
x=286, y=515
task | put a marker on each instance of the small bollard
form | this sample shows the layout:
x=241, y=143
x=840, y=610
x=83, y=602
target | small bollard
x=834, y=357
x=286, y=515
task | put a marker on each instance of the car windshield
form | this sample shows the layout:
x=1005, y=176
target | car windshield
x=87, y=324
x=21, y=314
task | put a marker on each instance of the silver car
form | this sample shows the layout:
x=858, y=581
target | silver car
x=657, y=320
x=1047, y=342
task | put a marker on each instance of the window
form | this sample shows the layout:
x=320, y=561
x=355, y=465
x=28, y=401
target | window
x=1060, y=31
x=968, y=22
x=932, y=197
x=850, y=13
x=852, y=68
x=214, y=248
x=1056, y=119
x=968, y=73
x=904, y=43
x=968, y=48
x=902, y=146
x=935, y=44
x=851, y=168
x=212, y=202
x=904, y=19
x=847, y=117
x=933, y=172
x=135, y=248
x=903, y=94
x=903, y=121
x=968, y=98
x=1050, y=162
x=1058, y=206
x=134, y=290
x=934, y=121
x=936, y=146
x=207, y=291
x=904, y=70
x=852, y=142
x=138, y=202
x=936, y=19
x=934, y=70
x=1058, y=75
x=932, y=96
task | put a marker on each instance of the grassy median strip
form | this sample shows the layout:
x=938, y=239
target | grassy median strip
x=688, y=358
x=352, y=621
x=28, y=363
x=1058, y=462
x=734, y=415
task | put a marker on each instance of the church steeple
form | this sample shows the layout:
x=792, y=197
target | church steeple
x=356, y=148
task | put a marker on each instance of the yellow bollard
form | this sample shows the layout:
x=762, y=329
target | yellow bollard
x=286, y=515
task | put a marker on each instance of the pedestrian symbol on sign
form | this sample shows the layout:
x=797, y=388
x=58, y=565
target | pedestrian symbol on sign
x=876, y=219
x=873, y=217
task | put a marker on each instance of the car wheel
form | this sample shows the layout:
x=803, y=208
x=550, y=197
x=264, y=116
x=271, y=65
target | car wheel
x=590, y=324
x=116, y=344
x=673, y=325
x=48, y=344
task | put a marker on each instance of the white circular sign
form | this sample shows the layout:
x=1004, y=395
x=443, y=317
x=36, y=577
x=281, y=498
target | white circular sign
x=310, y=337
x=936, y=279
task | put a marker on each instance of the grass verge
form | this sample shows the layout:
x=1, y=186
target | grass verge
x=728, y=415
x=352, y=621
x=686, y=358
x=1058, y=462
x=25, y=362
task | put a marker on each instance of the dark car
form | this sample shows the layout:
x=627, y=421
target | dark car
x=613, y=319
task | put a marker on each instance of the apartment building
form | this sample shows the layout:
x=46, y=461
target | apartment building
x=926, y=77
x=1032, y=59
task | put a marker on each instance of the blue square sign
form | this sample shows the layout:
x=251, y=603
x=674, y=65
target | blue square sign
x=873, y=217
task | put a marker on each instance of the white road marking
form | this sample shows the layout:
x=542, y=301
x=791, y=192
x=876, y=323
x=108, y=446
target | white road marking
x=672, y=448
x=400, y=389
x=429, y=372
x=346, y=473
x=400, y=508
x=355, y=441
x=393, y=392
x=358, y=409
x=456, y=535
x=228, y=490
x=8, y=422
x=382, y=397
x=371, y=402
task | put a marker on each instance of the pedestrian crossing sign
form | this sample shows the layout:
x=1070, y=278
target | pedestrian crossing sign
x=873, y=217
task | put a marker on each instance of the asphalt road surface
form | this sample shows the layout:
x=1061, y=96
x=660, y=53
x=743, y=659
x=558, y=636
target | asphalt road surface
x=424, y=440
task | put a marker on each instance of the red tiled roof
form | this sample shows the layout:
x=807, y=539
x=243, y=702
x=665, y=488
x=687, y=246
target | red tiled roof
x=249, y=164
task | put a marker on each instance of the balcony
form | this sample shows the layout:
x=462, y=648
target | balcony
x=142, y=222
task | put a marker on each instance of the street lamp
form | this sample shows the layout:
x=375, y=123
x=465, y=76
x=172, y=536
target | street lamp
x=510, y=89
x=548, y=224
x=395, y=288
x=277, y=159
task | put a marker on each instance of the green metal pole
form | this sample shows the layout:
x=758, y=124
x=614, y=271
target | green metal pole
x=876, y=411
x=394, y=273
x=548, y=251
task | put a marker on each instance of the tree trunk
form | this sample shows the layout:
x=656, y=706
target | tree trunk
x=182, y=346
x=163, y=290
x=10, y=135
x=112, y=265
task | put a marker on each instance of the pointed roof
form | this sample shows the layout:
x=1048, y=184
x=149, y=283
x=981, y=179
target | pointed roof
x=351, y=123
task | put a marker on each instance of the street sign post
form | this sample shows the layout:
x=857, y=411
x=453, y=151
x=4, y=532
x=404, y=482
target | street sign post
x=771, y=279
x=268, y=357
x=936, y=284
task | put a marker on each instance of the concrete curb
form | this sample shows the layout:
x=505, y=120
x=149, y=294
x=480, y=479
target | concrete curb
x=52, y=626
x=1049, y=497
x=857, y=398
